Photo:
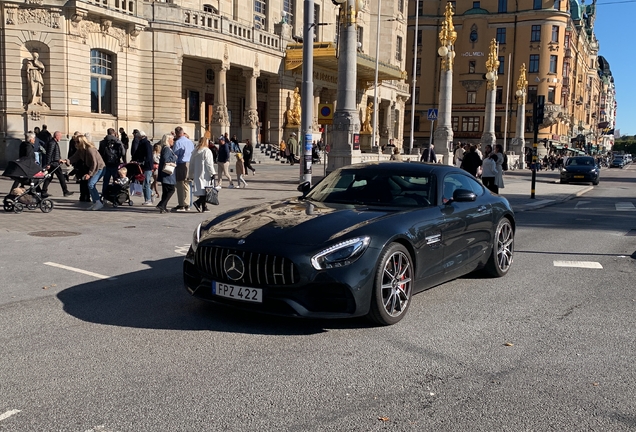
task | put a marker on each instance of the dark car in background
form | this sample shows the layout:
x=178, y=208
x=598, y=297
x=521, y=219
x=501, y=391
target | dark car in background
x=359, y=243
x=618, y=162
x=580, y=169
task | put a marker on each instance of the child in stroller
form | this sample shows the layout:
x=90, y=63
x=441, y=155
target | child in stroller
x=25, y=191
x=118, y=192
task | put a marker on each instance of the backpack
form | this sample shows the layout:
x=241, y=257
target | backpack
x=111, y=153
x=504, y=165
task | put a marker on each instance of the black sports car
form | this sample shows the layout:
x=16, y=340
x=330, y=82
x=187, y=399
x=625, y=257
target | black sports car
x=580, y=169
x=361, y=242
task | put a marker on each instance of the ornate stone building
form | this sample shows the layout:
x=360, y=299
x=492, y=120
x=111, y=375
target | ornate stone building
x=223, y=66
x=554, y=39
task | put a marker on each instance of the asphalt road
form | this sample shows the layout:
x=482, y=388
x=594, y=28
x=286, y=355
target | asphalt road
x=548, y=347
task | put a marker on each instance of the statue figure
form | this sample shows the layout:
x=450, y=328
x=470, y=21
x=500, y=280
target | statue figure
x=367, y=128
x=292, y=115
x=35, y=71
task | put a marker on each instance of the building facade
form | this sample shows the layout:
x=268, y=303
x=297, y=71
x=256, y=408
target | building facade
x=211, y=65
x=555, y=41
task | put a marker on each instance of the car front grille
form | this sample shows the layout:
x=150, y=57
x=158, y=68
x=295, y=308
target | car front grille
x=257, y=269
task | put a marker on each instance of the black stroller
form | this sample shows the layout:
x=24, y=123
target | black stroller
x=119, y=194
x=30, y=176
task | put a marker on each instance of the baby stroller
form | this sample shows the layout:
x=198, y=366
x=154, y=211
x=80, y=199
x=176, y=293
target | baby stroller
x=315, y=155
x=29, y=174
x=119, y=194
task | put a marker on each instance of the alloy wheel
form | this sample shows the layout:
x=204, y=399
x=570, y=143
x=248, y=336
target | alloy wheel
x=505, y=246
x=396, y=283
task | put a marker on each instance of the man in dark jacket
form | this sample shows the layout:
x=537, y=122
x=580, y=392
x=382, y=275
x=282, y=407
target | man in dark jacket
x=112, y=150
x=428, y=155
x=223, y=161
x=471, y=161
x=44, y=135
x=143, y=155
x=134, y=145
x=124, y=140
x=51, y=161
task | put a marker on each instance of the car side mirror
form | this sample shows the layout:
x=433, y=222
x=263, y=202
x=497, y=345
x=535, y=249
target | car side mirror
x=464, y=195
x=304, y=188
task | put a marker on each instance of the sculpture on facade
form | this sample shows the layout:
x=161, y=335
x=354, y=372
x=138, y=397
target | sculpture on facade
x=292, y=115
x=367, y=127
x=35, y=72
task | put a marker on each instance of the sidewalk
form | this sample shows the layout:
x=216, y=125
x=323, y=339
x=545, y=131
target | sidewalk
x=273, y=180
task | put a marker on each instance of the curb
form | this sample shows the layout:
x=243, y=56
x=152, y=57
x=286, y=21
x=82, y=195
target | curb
x=556, y=201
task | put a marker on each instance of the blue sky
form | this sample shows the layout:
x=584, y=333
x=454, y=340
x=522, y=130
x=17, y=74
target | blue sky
x=614, y=28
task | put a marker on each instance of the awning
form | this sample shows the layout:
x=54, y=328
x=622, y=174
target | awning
x=325, y=57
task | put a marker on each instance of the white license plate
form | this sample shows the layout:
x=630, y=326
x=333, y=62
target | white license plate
x=237, y=292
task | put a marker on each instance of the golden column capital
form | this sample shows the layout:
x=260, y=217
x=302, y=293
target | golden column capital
x=492, y=65
x=447, y=37
x=522, y=85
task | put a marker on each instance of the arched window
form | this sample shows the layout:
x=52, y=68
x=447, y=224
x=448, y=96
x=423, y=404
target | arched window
x=101, y=82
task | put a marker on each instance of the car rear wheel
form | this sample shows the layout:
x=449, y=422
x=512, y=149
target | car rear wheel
x=393, y=286
x=502, y=249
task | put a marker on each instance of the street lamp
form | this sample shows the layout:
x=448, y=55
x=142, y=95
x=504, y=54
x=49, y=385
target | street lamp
x=522, y=91
x=444, y=131
x=492, y=65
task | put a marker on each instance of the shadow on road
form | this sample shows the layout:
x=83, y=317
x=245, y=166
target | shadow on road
x=155, y=298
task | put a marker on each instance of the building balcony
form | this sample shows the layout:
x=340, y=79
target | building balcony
x=566, y=81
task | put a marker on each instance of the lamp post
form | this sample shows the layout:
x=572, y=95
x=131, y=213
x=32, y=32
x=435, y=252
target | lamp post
x=522, y=91
x=417, y=17
x=375, y=82
x=307, y=93
x=444, y=133
x=492, y=65
x=346, y=122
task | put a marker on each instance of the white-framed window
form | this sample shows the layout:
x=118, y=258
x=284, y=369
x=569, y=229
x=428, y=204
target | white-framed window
x=288, y=11
x=260, y=14
x=398, y=48
x=471, y=97
x=470, y=124
x=101, y=82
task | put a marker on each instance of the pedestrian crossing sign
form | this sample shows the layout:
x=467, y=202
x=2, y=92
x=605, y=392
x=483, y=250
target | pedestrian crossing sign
x=432, y=114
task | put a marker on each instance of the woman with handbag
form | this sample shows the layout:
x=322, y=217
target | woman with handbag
x=165, y=172
x=202, y=173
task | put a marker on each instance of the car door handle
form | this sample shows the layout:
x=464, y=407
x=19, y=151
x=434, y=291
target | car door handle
x=481, y=208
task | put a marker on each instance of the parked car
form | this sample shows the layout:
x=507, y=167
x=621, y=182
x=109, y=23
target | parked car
x=359, y=243
x=580, y=169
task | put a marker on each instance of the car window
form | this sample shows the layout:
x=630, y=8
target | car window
x=455, y=181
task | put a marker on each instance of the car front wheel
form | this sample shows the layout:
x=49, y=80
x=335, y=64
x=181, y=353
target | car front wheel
x=393, y=286
x=502, y=249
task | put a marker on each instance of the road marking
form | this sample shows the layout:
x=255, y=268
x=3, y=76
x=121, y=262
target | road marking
x=580, y=204
x=540, y=202
x=625, y=206
x=578, y=264
x=182, y=250
x=8, y=414
x=76, y=270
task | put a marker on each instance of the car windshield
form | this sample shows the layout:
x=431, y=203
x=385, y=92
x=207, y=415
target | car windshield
x=580, y=161
x=375, y=187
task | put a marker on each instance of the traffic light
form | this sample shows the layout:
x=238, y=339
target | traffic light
x=540, y=109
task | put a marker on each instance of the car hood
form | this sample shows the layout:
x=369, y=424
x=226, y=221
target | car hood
x=294, y=222
x=579, y=168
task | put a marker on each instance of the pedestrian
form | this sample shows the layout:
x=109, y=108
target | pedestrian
x=143, y=156
x=79, y=169
x=396, y=156
x=111, y=149
x=459, y=154
x=292, y=148
x=123, y=137
x=51, y=162
x=240, y=171
x=167, y=180
x=44, y=135
x=156, y=155
x=134, y=144
x=183, y=148
x=502, y=165
x=38, y=147
x=428, y=155
x=87, y=152
x=489, y=172
x=214, y=149
x=202, y=172
x=236, y=148
x=472, y=162
x=25, y=152
x=223, y=162
x=282, y=148
x=248, y=154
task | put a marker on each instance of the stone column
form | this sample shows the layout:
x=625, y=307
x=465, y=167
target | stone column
x=489, y=137
x=518, y=142
x=220, y=118
x=250, y=116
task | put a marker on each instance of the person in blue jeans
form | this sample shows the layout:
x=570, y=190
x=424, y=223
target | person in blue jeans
x=87, y=153
x=144, y=156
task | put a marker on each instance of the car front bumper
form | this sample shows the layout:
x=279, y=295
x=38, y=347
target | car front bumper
x=579, y=177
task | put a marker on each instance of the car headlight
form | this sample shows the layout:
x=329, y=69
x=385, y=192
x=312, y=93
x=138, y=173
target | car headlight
x=196, y=235
x=340, y=254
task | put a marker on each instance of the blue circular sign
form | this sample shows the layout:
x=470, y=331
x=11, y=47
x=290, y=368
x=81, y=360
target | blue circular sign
x=325, y=111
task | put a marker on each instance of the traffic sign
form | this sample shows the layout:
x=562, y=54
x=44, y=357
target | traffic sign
x=432, y=114
x=325, y=114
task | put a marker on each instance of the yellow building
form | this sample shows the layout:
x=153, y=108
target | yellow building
x=553, y=38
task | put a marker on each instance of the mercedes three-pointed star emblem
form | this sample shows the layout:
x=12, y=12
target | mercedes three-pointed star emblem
x=234, y=267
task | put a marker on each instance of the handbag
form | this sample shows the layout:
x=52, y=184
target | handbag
x=168, y=169
x=136, y=189
x=211, y=196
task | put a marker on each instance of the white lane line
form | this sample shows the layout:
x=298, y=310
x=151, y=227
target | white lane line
x=540, y=202
x=625, y=206
x=578, y=264
x=76, y=270
x=8, y=414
